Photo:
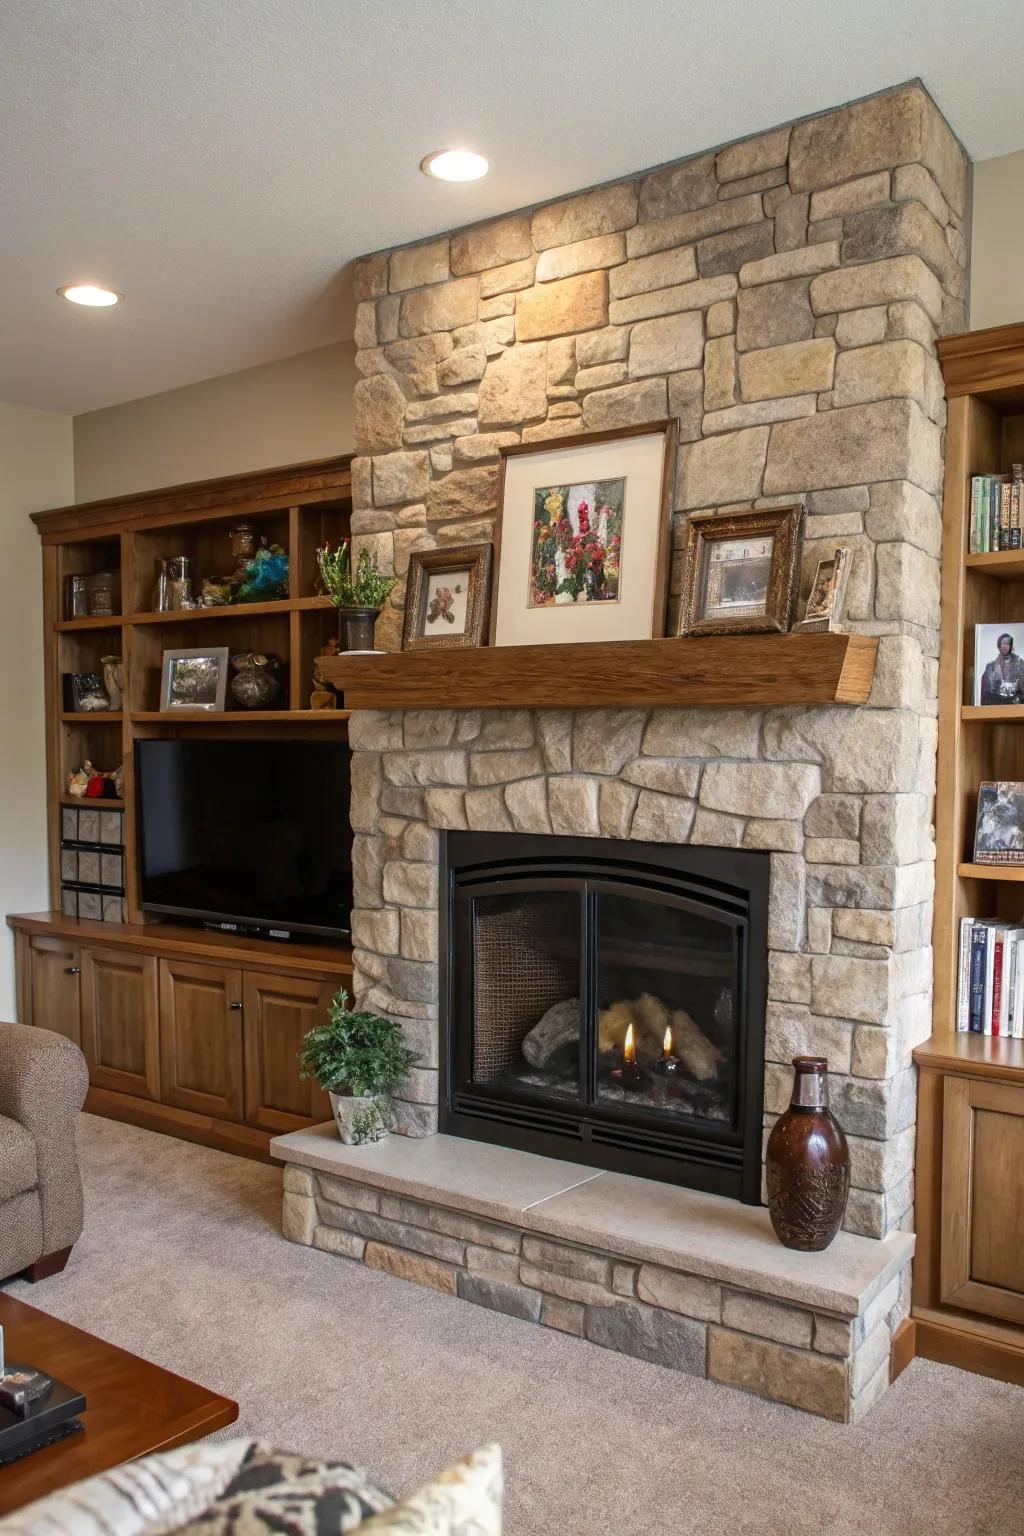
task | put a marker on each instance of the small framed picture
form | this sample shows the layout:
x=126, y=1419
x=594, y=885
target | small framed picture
x=739, y=571
x=447, y=598
x=999, y=833
x=84, y=693
x=998, y=668
x=826, y=601
x=196, y=679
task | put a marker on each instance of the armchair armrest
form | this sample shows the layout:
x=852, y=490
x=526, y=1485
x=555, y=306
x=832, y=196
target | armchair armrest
x=43, y=1083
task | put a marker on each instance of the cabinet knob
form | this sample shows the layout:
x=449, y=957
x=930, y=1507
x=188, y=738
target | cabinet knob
x=73, y=970
x=234, y=1005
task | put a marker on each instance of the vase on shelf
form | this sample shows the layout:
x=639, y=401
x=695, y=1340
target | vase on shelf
x=257, y=681
x=162, y=588
x=355, y=628
x=807, y=1164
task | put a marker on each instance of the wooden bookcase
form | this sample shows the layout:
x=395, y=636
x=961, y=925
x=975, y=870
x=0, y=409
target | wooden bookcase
x=194, y=1033
x=968, y=1301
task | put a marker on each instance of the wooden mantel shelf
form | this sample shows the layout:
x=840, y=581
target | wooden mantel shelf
x=727, y=671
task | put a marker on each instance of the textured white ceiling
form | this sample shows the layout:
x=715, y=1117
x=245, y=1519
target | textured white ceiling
x=220, y=161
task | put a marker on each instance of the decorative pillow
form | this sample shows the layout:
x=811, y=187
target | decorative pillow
x=463, y=1500
x=138, y=1498
x=277, y=1491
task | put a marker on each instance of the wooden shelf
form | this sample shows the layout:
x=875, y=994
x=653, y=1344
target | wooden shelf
x=1006, y=564
x=90, y=803
x=90, y=716
x=101, y=621
x=992, y=712
x=284, y=605
x=994, y=1056
x=729, y=671
x=990, y=871
x=237, y=716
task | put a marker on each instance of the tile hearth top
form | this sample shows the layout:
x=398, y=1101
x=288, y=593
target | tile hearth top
x=640, y=1219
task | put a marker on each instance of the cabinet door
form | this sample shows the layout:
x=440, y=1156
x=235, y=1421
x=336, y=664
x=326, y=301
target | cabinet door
x=120, y=1033
x=201, y=1038
x=982, y=1266
x=53, y=993
x=279, y=1010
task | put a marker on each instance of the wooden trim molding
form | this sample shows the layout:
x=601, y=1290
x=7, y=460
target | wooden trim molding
x=903, y=1348
x=968, y=1351
x=977, y=362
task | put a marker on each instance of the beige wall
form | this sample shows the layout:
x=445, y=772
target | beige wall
x=280, y=413
x=35, y=472
x=997, y=246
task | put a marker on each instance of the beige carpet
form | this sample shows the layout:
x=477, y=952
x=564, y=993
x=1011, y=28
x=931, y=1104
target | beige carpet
x=182, y=1261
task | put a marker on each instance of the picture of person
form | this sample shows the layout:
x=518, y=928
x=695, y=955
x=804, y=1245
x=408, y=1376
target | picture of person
x=1002, y=680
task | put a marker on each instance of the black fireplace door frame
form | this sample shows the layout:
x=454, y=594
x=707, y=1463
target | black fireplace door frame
x=723, y=1159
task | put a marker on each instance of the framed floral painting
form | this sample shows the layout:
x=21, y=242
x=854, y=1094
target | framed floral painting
x=583, y=539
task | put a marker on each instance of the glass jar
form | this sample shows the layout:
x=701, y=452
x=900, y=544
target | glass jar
x=104, y=593
x=76, y=600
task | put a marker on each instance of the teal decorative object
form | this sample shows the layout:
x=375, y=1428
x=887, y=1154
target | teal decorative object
x=266, y=576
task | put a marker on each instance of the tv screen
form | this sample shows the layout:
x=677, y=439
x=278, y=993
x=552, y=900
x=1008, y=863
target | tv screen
x=251, y=832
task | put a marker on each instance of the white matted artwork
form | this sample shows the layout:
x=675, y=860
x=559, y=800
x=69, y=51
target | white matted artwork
x=447, y=603
x=583, y=539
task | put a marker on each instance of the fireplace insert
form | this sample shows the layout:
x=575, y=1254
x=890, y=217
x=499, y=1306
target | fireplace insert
x=604, y=1001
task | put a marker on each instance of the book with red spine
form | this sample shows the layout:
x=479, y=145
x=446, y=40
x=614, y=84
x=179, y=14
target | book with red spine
x=997, y=982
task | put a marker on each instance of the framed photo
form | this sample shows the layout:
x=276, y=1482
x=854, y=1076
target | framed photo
x=740, y=571
x=999, y=834
x=998, y=668
x=582, y=545
x=195, y=679
x=84, y=693
x=826, y=601
x=447, y=598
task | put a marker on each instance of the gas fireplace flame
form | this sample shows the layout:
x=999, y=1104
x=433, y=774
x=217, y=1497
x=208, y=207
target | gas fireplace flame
x=629, y=1049
x=666, y=1044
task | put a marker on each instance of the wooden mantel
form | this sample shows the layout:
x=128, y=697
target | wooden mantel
x=727, y=671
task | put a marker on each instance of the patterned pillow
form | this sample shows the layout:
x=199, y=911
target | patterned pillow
x=276, y=1491
x=463, y=1500
x=138, y=1498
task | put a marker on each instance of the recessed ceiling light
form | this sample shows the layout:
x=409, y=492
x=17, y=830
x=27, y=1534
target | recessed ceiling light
x=90, y=295
x=455, y=165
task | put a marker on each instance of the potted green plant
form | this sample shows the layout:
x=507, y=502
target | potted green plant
x=358, y=595
x=359, y=1059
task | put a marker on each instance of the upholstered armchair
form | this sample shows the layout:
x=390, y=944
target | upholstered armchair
x=43, y=1082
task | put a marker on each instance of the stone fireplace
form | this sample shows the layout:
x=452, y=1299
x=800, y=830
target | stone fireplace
x=781, y=298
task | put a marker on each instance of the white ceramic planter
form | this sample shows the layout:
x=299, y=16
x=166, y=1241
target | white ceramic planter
x=350, y=1110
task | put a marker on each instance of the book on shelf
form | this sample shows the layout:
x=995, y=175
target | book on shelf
x=990, y=978
x=996, y=512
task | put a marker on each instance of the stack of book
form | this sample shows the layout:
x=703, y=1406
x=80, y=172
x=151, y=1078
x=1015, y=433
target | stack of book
x=990, y=990
x=996, y=511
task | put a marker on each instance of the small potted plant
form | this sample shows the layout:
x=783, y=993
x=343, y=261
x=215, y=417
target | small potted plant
x=358, y=596
x=359, y=1060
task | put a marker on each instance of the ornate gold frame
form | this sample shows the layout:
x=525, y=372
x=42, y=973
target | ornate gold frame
x=476, y=558
x=703, y=528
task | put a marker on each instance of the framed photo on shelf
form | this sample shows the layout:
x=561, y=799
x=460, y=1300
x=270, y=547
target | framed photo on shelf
x=447, y=598
x=194, y=679
x=826, y=601
x=999, y=831
x=998, y=669
x=582, y=544
x=740, y=571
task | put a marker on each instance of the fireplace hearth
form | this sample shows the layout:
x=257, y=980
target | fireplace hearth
x=604, y=1001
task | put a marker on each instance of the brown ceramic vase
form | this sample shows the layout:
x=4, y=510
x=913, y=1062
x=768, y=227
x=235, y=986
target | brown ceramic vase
x=807, y=1163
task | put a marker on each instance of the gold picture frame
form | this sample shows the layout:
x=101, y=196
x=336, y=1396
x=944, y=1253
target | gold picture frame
x=447, y=615
x=740, y=571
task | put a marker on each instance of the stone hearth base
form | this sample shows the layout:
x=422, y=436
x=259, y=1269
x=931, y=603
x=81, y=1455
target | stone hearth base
x=683, y=1279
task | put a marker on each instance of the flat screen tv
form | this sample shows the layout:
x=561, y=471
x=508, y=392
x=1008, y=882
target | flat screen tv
x=254, y=833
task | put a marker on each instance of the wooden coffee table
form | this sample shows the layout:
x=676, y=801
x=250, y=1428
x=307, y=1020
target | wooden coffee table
x=132, y=1407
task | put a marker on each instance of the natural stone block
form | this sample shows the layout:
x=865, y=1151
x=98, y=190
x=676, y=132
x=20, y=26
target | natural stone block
x=833, y=1335
x=412, y=1266
x=410, y=885
x=749, y=156
x=598, y=347
x=348, y=1245
x=570, y=304
x=735, y=418
x=298, y=1218
x=643, y=401
x=298, y=1180
x=888, y=440
x=400, y=477
x=604, y=740
x=554, y=429
x=554, y=731
x=491, y=245
x=376, y=929
x=679, y=188
x=851, y=196
x=486, y=810
x=861, y=327
x=601, y=212
x=514, y=387
x=527, y=803
x=666, y=345
x=566, y=1316
x=831, y=850
x=900, y=510
x=466, y=493
x=850, y=988
x=595, y=1293
x=464, y=366
x=500, y=1295
x=904, y=229
x=379, y=414
x=878, y=282
x=709, y=733
x=774, y=313
x=444, y=307
x=410, y=768
x=724, y=469
x=604, y=376
x=647, y=273
x=793, y=1030
x=795, y=368
x=446, y=808
x=418, y=939
x=567, y=1259
x=667, y=301
x=661, y=818
x=583, y=256
x=482, y=447
x=713, y=829
x=616, y=803
x=686, y=402
x=624, y=1279
x=500, y=767
x=573, y=804
x=509, y=278
x=755, y=789
x=675, y=1292
x=488, y=1261
x=789, y=978
x=913, y=183
x=365, y=332
x=462, y=404
x=370, y=276
x=648, y=1333
x=907, y=585
x=416, y=265
x=719, y=373
x=734, y=248
x=768, y=1319
x=685, y=228
x=667, y=775
x=888, y=370
x=721, y=318
x=816, y=1383
x=791, y=228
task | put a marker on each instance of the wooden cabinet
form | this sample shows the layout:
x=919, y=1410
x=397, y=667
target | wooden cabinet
x=53, y=992
x=201, y=1037
x=120, y=1022
x=278, y=1011
x=982, y=1252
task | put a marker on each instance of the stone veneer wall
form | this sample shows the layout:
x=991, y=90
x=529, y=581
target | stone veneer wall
x=781, y=297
